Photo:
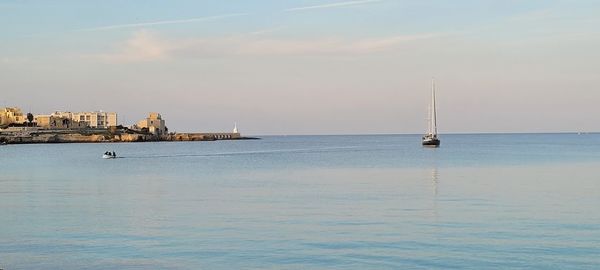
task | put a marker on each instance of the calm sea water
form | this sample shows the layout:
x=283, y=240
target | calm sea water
x=527, y=201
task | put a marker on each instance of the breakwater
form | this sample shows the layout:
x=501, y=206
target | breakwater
x=25, y=136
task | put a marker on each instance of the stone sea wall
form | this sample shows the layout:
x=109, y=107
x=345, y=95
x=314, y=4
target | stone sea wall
x=102, y=135
x=75, y=138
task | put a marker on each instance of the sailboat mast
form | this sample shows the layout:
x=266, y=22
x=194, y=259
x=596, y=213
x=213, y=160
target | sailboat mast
x=433, y=109
x=429, y=131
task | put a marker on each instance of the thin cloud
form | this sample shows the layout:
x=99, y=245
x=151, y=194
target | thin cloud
x=265, y=31
x=334, y=5
x=146, y=46
x=143, y=24
x=143, y=46
x=536, y=15
x=327, y=46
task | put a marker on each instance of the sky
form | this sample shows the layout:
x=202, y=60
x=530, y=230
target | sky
x=308, y=66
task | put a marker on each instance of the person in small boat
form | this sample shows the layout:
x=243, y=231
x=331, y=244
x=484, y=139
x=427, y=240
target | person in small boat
x=107, y=153
x=113, y=154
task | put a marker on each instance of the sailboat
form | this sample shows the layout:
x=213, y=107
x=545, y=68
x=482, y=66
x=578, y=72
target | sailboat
x=431, y=138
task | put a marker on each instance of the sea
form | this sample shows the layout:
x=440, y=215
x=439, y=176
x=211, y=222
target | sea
x=480, y=201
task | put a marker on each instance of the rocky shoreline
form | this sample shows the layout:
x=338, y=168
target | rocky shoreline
x=25, y=136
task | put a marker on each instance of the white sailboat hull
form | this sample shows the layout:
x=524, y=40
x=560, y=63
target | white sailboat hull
x=430, y=141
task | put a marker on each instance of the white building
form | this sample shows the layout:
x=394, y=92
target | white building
x=97, y=119
x=12, y=116
x=154, y=123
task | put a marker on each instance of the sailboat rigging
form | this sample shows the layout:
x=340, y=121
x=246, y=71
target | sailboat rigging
x=431, y=137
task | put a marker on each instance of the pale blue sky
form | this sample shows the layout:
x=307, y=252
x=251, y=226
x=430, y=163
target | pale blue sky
x=308, y=67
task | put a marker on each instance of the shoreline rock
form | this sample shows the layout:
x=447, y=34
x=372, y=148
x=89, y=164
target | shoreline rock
x=106, y=136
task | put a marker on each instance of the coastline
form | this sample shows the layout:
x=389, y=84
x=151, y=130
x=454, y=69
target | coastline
x=41, y=136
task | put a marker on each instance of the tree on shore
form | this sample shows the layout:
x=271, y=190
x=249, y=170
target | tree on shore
x=29, y=118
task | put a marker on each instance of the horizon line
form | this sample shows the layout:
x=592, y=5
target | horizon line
x=420, y=134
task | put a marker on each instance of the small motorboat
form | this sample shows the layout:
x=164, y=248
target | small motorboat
x=109, y=155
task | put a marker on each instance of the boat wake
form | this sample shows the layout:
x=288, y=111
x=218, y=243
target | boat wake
x=264, y=152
